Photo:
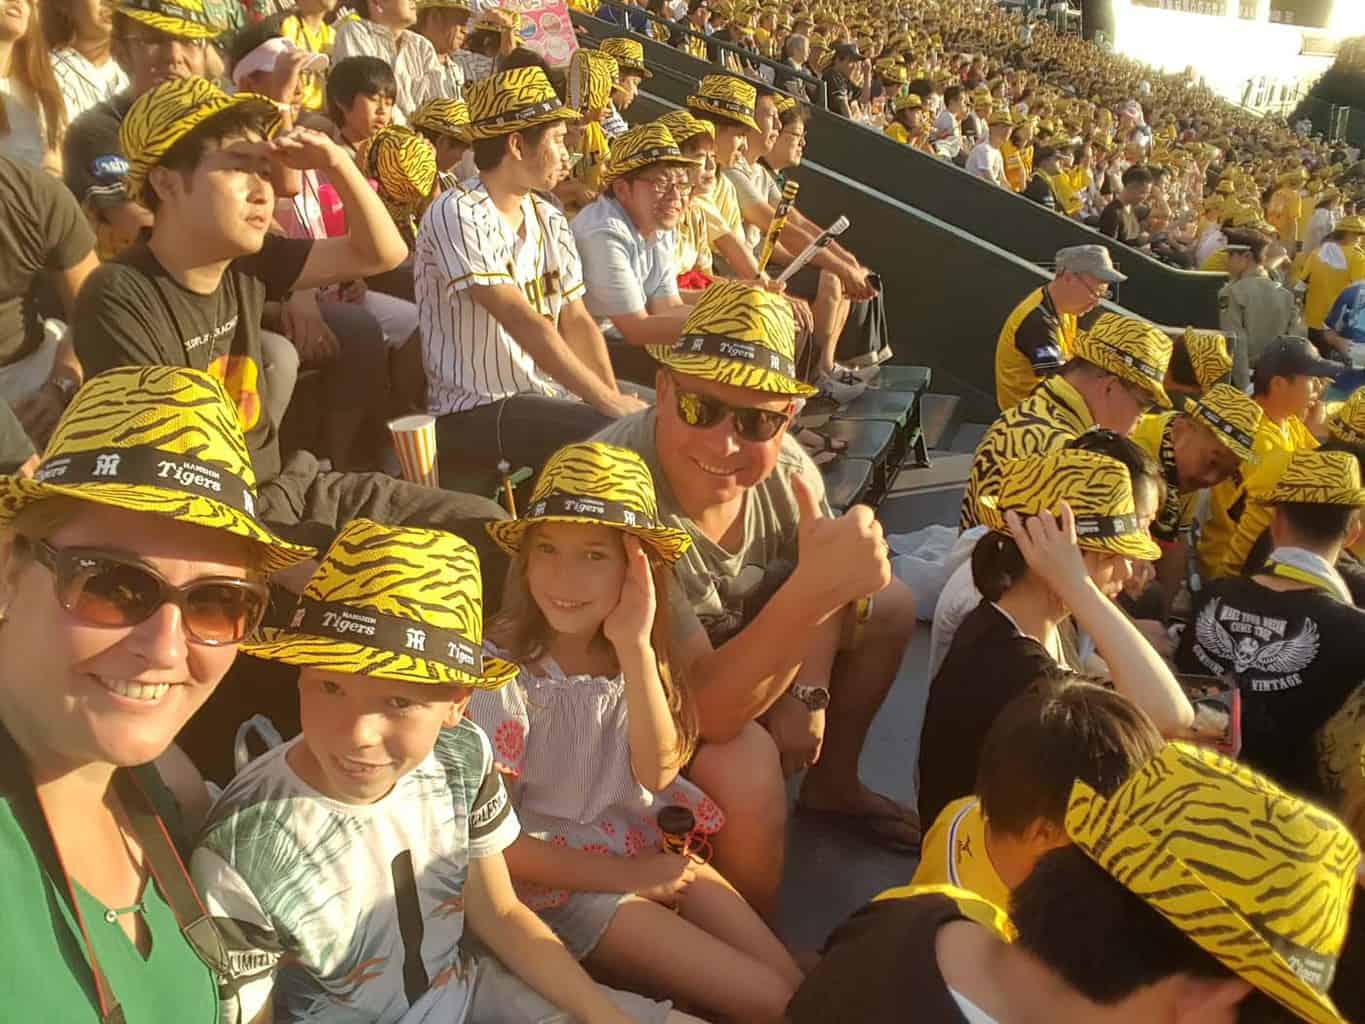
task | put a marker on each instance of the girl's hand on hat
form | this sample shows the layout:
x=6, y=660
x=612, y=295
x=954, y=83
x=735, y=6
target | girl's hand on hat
x=303, y=149
x=629, y=624
x=1048, y=544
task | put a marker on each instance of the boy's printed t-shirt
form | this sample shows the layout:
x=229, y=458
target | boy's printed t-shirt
x=954, y=853
x=365, y=901
x=131, y=312
x=1297, y=655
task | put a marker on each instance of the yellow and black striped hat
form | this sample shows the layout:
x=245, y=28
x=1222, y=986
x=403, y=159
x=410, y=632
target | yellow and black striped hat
x=740, y=335
x=1098, y=489
x=404, y=163
x=592, y=482
x=185, y=19
x=1347, y=423
x=394, y=602
x=163, y=116
x=1260, y=879
x=1313, y=477
x=629, y=54
x=684, y=127
x=1209, y=356
x=164, y=440
x=906, y=101
x=445, y=116
x=728, y=97
x=512, y=101
x=1131, y=349
x=1232, y=416
x=643, y=146
x=591, y=77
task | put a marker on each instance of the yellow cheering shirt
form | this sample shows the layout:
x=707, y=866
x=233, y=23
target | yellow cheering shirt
x=1329, y=272
x=318, y=40
x=954, y=853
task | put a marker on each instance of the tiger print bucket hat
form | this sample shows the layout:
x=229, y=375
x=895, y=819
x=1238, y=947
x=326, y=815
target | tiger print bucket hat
x=629, y=54
x=597, y=483
x=1209, y=356
x=1232, y=416
x=1131, y=349
x=184, y=19
x=443, y=116
x=394, y=602
x=1259, y=879
x=165, y=115
x=592, y=74
x=1312, y=477
x=1098, y=489
x=404, y=164
x=684, y=127
x=159, y=439
x=512, y=101
x=727, y=97
x=741, y=335
x=641, y=147
x=1347, y=423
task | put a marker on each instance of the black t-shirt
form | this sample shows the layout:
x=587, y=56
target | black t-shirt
x=1115, y=223
x=839, y=92
x=989, y=664
x=1297, y=656
x=41, y=230
x=131, y=312
x=878, y=964
x=1039, y=189
x=92, y=156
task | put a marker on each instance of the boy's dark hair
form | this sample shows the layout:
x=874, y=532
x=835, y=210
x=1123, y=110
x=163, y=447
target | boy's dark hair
x=186, y=154
x=951, y=93
x=799, y=114
x=1138, y=175
x=1105, y=942
x=488, y=153
x=1318, y=524
x=1059, y=731
x=357, y=76
x=921, y=87
x=361, y=7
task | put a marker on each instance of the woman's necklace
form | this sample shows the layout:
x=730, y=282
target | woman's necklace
x=112, y=914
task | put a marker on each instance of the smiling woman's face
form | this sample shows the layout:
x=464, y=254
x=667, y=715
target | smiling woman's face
x=74, y=694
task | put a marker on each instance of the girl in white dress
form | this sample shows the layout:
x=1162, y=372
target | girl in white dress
x=593, y=735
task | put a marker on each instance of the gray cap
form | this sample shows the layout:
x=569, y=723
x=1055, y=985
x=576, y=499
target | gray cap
x=1089, y=259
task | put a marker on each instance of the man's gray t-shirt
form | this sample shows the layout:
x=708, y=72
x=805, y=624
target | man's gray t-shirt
x=623, y=271
x=753, y=184
x=726, y=589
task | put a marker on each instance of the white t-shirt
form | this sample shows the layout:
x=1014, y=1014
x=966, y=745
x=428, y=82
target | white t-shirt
x=949, y=133
x=82, y=83
x=469, y=357
x=985, y=161
x=341, y=889
x=410, y=55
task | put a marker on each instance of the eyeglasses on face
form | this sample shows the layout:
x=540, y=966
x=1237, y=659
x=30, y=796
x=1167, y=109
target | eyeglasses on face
x=703, y=412
x=663, y=186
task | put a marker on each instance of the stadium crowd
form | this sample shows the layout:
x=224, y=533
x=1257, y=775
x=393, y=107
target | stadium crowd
x=276, y=707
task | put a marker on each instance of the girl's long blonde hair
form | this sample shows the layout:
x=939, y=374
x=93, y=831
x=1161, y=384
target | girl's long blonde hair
x=30, y=67
x=521, y=631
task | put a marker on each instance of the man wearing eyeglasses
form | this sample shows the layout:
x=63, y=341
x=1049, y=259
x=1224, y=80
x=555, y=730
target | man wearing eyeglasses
x=1040, y=333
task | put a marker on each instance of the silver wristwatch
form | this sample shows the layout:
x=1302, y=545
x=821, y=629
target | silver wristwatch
x=814, y=697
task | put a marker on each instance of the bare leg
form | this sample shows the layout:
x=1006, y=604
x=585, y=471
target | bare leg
x=829, y=296
x=744, y=777
x=647, y=946
x=712, y=904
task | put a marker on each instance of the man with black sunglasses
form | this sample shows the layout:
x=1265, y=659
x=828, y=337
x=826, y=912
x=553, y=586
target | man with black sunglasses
x=776, y=587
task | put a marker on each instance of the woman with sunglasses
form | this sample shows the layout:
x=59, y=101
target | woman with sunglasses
x=131, y=567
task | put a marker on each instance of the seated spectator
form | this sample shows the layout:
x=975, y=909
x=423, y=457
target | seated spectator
x=843, y=95
x=361, y=92
x=384, y=31
x=909, y=124
x=592, y=76
x=595, y=730
x=387, y=817
x=1039, y=335
x=773, y=584
x=193, y=292
x=1291, y=634
x=43, y=235
x=1119, y=219
x=444, y=24
x=1127, y=922
x=1346, y=321
x=1199, y=360
x=630, y=60
x=1031, y=580
x=1017, y=155
x=30, y=98
x=515, y=365
x=1287, y=385
x=1254, y=306
x=1058, y=732
x=1332, y=268
x=1113, y=376
x=493, y=37
x=445, y=124
x=626, y=238
x=105, y=562
x=987, y=160
x=402, y=163
x=697, y=23
x=307, y=28
x=79, y=34
x=1047, y=166
x=947, y=134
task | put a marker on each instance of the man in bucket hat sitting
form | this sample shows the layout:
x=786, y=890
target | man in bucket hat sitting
x=775, y=586
x=516, y=367
x=1199, y=892
x=191, y=295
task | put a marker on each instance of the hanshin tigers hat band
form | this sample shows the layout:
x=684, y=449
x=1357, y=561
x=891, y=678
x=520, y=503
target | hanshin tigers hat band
x=335, y=621
x=150, y=466
x=741, y=351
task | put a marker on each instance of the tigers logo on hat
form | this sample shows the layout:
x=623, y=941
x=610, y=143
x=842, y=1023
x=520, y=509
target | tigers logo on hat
x=404, y=164
x=1313, y=477
x=395, y=602
x=684, y=127
x=591, y=77
x=165, y=115
x=158, y=439
x=512, y=101
x=1098, y=489
x=740, y=335
x=1131, y=349
x=726, y=97
x=447, y=117
x=641, y=147
x=629, y=54
x=1232, y=416
x=598, y=483
x=1348, y=422
x=185, y=19
x=1259, y=879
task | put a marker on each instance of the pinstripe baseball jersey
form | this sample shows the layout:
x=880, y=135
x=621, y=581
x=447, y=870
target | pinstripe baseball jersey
x=469, y=357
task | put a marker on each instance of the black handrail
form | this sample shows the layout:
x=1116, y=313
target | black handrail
x=780, y=71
